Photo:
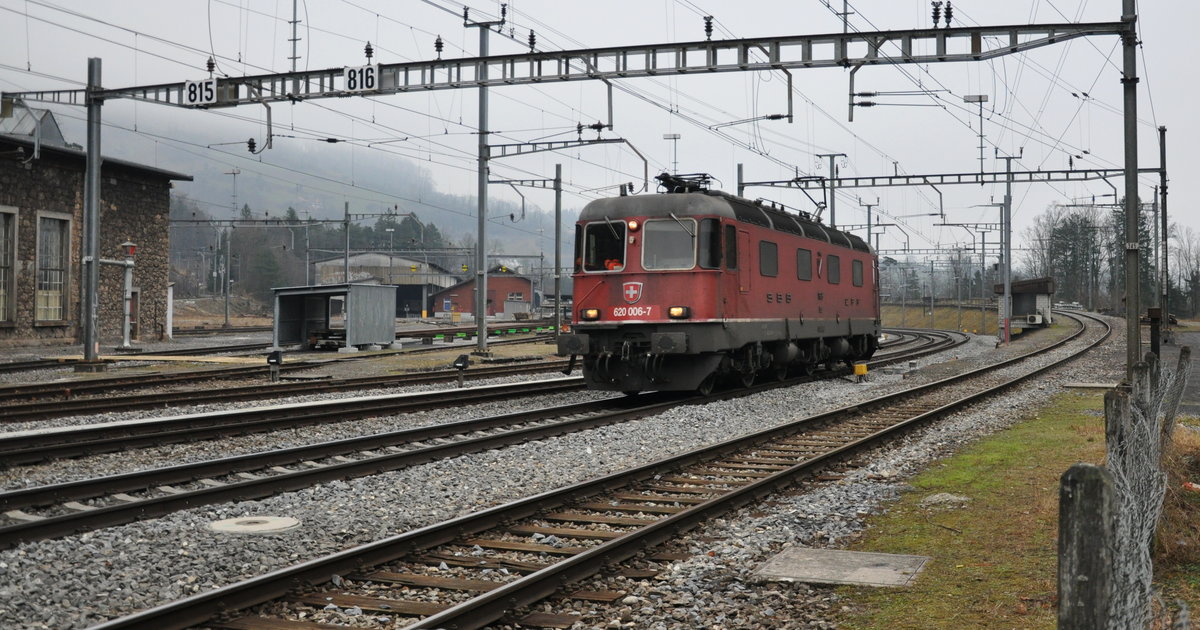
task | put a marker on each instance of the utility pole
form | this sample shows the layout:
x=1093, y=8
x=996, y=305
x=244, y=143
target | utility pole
x=1006, y=240
x=91, y=223
x=346, y=257
x=931, y=326
x=226, y=281
x=485, y=28
x=868, y=206
x=1165, y=296
x=1129, y=79
x=557, y=250
x=831, y=180
x=980, y=99
x=295, y=21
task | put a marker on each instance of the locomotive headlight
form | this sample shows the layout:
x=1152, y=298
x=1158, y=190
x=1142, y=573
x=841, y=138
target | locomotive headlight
x=589, y=314
x=679, y=312
x=633, y=225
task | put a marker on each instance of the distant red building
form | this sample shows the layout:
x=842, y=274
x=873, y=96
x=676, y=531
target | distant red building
x=507, y=293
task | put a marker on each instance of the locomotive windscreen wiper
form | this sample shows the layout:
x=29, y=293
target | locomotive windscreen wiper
x=683, y=225
x=609, y=223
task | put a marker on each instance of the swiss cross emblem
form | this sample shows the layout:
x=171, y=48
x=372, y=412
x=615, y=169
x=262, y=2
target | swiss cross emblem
x=632, y=291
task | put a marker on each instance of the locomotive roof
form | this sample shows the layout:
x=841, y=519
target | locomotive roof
x=716, y=203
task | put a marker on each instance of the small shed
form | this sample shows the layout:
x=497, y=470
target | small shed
x=507, y=295
x=303, y=315
x=1031, y=300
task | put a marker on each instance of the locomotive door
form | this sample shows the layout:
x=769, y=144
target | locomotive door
x=743, y=254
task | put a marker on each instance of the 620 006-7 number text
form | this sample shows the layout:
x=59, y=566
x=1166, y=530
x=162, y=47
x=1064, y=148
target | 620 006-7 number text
x=632, y=311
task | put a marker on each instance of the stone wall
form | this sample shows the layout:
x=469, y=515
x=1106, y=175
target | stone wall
x=134, y=207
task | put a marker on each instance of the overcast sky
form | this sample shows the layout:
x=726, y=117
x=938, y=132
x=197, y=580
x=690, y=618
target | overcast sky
x=1035, y=101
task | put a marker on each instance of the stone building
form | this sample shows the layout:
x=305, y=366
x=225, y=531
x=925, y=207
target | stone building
x=41, y=237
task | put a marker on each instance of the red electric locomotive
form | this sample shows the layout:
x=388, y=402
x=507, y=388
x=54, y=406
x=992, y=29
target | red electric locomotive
x=674, y=291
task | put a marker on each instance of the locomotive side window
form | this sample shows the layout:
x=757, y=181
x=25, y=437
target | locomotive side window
x=730, y=247
x=856, y=271
x=604, y=246
x=669, y=244
x=804, y=264
x=710, y=244
x=768, y=259
x=578, y=248
x=833, y=265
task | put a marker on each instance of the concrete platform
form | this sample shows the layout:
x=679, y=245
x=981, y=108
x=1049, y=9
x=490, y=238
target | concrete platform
x=832, y=566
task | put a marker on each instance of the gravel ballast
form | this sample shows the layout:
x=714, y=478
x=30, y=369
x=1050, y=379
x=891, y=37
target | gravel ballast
x=80, y=580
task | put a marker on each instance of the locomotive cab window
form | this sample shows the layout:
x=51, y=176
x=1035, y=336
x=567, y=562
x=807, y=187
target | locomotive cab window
x=833, y=269
x=604, y=246
x=710, y=244
x=856, y=273
x=768, y=259
x=669, y=244
x=804, y=264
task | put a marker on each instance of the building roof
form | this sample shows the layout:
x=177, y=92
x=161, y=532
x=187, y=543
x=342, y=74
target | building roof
x=21, y=127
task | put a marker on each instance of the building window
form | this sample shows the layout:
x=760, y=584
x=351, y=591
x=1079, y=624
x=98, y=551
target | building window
x=8, y=252
x=53, y=254
x=834, y=269
x=768, y=259
x=516, y=296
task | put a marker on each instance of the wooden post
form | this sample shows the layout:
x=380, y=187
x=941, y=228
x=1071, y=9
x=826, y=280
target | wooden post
x=1116, y=419
x=1171, y=405
x=1086, y=522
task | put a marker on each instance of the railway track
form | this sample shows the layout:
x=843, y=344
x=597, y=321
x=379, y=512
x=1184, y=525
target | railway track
x=49, y=511
x=472, y=570
x=67, y=402
x=58, y=362
x=66, y=390
x=22, y=412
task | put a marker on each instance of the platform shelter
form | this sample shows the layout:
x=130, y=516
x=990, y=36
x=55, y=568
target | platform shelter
x=306, y=316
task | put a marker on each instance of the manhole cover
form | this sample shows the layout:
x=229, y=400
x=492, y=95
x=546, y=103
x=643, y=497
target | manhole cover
x=254, y=525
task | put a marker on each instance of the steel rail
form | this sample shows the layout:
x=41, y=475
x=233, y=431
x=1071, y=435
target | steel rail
x=26, y=447
x=481, y=610
x=67, y=389
x=492, y=605
x=275, y=480
x=21, y=412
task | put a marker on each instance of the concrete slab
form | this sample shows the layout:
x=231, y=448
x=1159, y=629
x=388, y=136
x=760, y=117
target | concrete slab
x=832, y=566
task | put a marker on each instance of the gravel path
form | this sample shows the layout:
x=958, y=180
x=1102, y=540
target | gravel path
x=81, y=580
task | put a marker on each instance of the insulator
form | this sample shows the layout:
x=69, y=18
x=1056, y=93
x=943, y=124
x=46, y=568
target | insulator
x=949, y=13
x=369, y=51
x=708, y=27
x=937, y=11
x=212, y=65
x=438, y=46
x=466, y=14
x=250, y=145
x=579, y=129
x=503, y=11
x=532, y=41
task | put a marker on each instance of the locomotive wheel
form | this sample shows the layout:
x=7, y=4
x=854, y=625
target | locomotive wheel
x=706, y=386
x=807, y=368
x=747, y=378
x=781, y=373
